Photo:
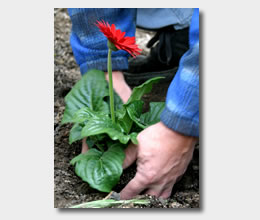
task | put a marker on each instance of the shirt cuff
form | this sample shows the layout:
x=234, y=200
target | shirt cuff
x=118, y=64
x=179, y=123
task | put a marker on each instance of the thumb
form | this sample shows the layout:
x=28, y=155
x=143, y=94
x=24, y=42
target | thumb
x=130, y=155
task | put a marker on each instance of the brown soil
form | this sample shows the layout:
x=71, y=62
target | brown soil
x=70, y=189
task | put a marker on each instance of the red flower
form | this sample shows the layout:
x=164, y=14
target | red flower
x=117, y=38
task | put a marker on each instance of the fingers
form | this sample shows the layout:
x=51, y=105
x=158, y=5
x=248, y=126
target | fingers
x=167, y=192
x=133, y=188
x=130, y=155
x=137, y=185
x=160, y=191
x=84, y=146
x=154, y=191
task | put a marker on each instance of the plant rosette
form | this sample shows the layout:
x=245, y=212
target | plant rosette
x=97, y=112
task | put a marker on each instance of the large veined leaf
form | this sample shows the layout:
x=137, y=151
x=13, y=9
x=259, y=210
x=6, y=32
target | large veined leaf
x=149, y=118
x=146, y=87
x=101, y=124
x=153, y=116
x=85, y=114
x=123, y=119
x=85, y=156
x=75, y=133
x=134, y=110
x=101, y=170
x=89, y=91
x=80, y=118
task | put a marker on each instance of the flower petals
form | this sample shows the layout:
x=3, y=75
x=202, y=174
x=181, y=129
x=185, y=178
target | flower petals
x=117, y=37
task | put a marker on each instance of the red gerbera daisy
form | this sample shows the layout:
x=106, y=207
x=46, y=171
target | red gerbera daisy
x=117, y=37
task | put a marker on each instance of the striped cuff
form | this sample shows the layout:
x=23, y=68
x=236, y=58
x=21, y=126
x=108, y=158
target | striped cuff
x=179, y=124
x=118, y=64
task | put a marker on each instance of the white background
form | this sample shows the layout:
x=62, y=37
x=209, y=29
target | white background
x=230, y=134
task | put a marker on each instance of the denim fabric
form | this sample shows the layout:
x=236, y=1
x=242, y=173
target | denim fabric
x=182, y=102
x=155, y=18
x=89, y=45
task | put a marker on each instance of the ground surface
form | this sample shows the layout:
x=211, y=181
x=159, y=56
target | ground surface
x=71, y=190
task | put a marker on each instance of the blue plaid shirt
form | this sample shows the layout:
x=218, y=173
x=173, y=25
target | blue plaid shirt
x=89, y=47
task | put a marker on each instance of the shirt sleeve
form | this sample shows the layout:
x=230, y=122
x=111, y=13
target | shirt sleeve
x=89, y=45
x=181, y=113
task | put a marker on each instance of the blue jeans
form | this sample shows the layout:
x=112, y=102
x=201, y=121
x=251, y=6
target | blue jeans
x=89, y=45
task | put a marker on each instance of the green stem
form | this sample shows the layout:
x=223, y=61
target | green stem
x=111, y=91
x=110, y=202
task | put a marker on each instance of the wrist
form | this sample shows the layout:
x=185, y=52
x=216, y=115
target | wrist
x=174, y=135
x=120, y=85
x=116, y=75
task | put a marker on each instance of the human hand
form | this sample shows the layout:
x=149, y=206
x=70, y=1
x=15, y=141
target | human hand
x=162, y=156
x=120, y=85
x=122, y=89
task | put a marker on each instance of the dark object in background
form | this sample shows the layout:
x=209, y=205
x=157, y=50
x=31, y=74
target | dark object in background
x=163, y=59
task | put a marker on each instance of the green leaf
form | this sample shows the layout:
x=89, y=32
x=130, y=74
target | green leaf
x=118, y=101
x=75, y=133
x=146, y=87
x=153, y=116
x=103, y=124
x=101, y=171
x=90, y=143
x=133, y=137
x=90, y=152
x=129, y=113
x=123, y=119
x=149, y=118
x=81, y=117
x=134, y=109
x=89, y=91
x=85, y=114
